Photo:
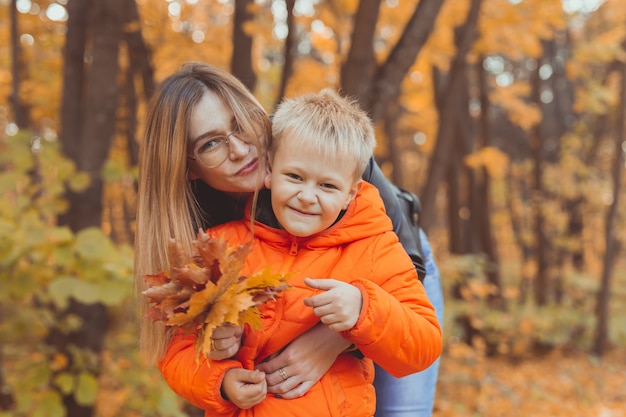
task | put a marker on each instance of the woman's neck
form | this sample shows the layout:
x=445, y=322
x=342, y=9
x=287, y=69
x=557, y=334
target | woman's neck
x=238, y=199
x=238, y=202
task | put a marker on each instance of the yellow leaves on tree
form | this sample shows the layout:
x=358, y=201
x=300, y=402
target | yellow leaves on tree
x=513, y=99
x=205, y=290
x=516, y=29
x=309, y=75
x=492, y=159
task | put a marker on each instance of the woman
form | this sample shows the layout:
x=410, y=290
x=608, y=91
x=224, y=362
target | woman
x=413, y=395
x=198, y=107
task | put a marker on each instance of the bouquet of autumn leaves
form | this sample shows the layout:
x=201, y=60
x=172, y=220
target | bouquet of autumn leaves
x=206, y=289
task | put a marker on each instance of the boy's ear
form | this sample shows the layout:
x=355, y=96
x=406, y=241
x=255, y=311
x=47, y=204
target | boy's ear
x=268, y=173
x=352, y=193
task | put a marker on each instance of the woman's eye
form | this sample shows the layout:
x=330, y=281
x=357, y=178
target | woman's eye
x=211, y=144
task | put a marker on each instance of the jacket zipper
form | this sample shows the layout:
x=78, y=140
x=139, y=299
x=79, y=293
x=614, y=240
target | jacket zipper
x=294, y=246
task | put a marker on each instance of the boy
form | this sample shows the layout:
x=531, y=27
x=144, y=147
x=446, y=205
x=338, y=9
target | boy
x=320, y=222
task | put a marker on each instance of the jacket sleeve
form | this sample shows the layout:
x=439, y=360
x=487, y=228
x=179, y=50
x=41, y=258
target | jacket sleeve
x=197, y=382
x=396, y=315
x=401, y=225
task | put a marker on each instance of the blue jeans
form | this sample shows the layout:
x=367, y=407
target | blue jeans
x=413, y=395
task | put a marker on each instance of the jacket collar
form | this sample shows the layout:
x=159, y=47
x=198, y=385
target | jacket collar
x=364, y=217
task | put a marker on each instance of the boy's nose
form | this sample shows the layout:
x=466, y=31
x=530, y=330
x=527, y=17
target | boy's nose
x=306, y=195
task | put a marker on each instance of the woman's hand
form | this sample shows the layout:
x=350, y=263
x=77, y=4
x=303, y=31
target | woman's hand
x=303, y=362
x=225, y=342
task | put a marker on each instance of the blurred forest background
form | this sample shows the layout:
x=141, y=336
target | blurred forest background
x=506, y=117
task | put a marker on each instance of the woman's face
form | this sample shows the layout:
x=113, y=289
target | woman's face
x=238, y=173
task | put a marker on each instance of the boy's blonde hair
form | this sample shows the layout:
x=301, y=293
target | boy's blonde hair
x=325, y=124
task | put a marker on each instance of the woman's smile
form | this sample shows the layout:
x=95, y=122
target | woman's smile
x=249, y=168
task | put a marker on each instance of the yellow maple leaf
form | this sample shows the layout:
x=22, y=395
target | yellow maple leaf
x=206, y=289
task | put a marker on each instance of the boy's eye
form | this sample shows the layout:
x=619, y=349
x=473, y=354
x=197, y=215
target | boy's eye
x=293, y=176
x=329, y=186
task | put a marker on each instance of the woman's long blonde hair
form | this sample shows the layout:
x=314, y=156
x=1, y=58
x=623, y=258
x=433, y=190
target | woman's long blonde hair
x=166, y=206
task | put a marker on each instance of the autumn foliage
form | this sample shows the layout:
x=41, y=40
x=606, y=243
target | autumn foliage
x=206, y=289
x=517, y=105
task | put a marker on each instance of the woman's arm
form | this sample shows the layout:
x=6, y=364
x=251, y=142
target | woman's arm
x=401, y=225
x=303, y=362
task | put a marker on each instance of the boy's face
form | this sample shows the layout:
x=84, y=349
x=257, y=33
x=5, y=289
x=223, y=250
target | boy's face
x=308, y=193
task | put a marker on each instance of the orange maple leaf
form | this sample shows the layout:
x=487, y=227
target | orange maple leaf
x=206, y=289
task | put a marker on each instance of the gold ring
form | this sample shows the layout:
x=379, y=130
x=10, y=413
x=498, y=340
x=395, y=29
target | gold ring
x=213, y=345
x=282, y=373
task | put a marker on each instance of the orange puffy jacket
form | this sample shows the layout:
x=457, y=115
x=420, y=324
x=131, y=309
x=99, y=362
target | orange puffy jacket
x=397, y=327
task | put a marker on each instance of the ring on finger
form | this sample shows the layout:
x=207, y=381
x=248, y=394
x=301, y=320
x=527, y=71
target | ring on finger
x=213, y=345
x=282, y=373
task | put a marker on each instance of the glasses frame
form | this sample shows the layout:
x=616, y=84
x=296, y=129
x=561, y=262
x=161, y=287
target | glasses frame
x=197, y=158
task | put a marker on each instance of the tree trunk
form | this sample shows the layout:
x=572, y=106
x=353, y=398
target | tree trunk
x=99, y=121
x=73, y=79
x=89, y=122
x=141, y=69
x=612, y=245
x=359, y=67
x=20, y=110
x=389, y=76
x=7, y=401
x=241, y=59
x=289, y=50
x=463, y=146
x=455, y=241
x=540, y=282
x=600, y=127
x=440, y=158
x=359, y=76
x=482, y=210
x=395, y=150
x=136, y=83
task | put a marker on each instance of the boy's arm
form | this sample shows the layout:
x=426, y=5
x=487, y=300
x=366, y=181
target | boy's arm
x=397, y=327
x=244, y=388
x=197, y=382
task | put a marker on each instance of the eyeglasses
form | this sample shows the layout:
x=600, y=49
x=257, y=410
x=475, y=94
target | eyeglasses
x=213, y=151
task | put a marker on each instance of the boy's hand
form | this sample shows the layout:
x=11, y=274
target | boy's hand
x=339, y=306
x=225, y=342
x=244, y=388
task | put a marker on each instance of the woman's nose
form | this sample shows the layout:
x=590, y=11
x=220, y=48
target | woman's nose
x=238, y=148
